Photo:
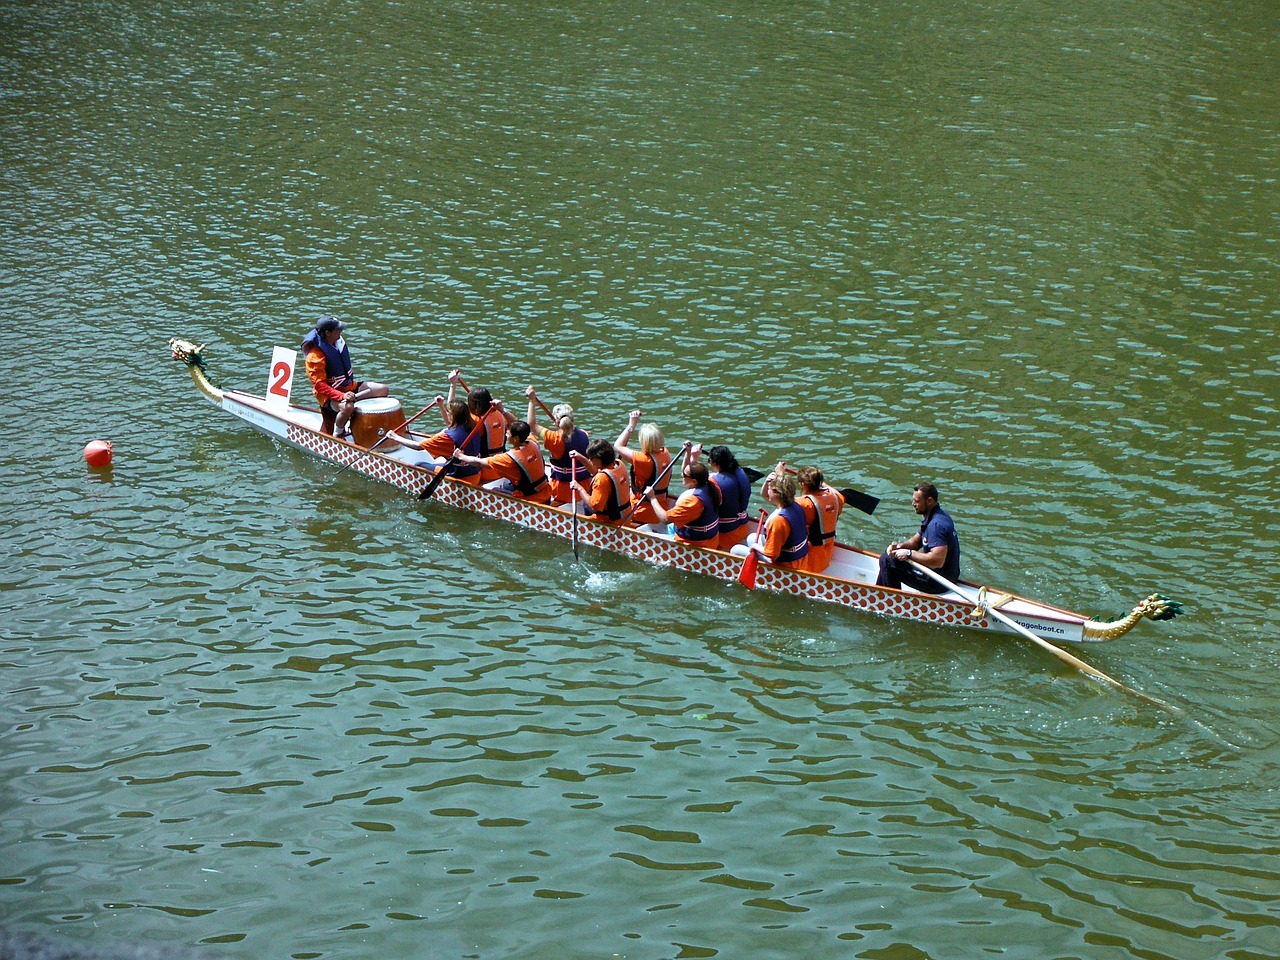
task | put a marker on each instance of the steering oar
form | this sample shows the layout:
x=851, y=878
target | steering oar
x=979, y=602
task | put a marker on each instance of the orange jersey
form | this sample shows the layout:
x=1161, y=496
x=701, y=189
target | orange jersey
x=439, y=445
x=493, y=436
x=645, y=468
x=558, y=451
x=821, y=511
x=688, y=510
x=318, y=374
x=522, y=466
x=610, y=494
x=777, y=531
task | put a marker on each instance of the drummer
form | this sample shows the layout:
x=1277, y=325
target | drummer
x=332, y=378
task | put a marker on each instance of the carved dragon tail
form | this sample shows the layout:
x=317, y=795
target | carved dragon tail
x=1155, y=607
x=192, y=356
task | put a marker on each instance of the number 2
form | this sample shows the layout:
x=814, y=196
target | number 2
x=281, y=374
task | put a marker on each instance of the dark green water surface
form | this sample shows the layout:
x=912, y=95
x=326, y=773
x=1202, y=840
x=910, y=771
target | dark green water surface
x=1026, y=250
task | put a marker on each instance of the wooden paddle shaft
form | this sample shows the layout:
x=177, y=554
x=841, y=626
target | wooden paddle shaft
x=1058, y=652
x=363, y=454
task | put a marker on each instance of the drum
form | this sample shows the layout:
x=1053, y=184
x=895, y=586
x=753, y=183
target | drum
x=373, y=418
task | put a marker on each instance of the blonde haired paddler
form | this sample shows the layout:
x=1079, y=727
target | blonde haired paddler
x=649, y=466
x=561, y=441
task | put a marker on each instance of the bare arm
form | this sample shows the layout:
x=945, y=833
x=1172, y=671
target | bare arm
x=624, y=451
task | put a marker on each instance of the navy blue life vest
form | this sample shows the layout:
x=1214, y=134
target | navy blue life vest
x=797, y=545
x=458, y=434
x=735, y=495
x=561, y=468
x=337, y=363
x=707, y=526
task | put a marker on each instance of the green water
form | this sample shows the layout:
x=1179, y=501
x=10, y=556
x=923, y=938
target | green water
x=1025, y=251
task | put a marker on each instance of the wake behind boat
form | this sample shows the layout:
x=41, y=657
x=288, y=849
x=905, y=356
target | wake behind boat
x=849, y=581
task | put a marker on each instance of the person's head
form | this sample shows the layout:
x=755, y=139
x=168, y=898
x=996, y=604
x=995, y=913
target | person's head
x=562, y=413
x=651, y=438
x=810, y=478
x=924, y=498
x=602, y=453
x=784, y=489
x=460, y=415
x=330, y=328
x=480, y=400
x=518, y=431
x=723, y=459
x=697, y=474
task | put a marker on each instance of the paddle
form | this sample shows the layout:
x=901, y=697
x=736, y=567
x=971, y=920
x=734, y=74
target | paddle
x=978, y=600
x=429, y=490
x=547, y=409
x=854, y=498
x=573, y=502
x=658, y=481
x=365, y=453
x=751, y=562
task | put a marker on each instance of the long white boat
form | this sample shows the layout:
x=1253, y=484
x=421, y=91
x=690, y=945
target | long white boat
x=849, y=581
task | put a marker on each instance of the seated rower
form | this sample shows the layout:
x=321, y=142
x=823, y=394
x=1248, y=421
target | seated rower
x=647, y=464
x=609, y=497
x=561, y=441
x=519, y=471
x=459, y=432
x=936, y=545
x=488, y=411
x=695, y=516
x=785, y=542
x=332, y=378
x=735, y=494
x=822, y=506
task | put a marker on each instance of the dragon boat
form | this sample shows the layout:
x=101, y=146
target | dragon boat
x=849, y=581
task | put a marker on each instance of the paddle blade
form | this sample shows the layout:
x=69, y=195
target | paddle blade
x=752, y=474
x=430, y=489
x=859, y=500
x=747, y=575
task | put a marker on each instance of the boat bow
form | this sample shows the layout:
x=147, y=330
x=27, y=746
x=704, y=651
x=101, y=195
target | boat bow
x=1155, y=607
x=193, y=357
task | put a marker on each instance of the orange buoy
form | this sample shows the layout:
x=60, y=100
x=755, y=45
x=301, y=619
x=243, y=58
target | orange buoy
x=98, y=453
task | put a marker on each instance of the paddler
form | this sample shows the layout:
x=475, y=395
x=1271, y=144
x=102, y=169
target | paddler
x=442, y=445
x=936, y=545
x=519, y=471
x=735, y=493
x=561, y=441
x=822, y=506
x=335, y=385
x=647, y=464
x=785, y=542
x=609, y=495
x=486, y=410
x=695, y=516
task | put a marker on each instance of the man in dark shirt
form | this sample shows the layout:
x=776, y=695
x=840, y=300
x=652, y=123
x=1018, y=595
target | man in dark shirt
x=936, y=546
